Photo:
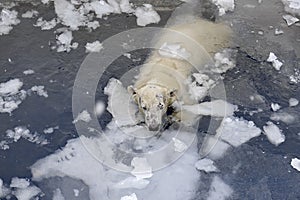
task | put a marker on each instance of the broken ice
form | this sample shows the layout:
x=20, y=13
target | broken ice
x=274, y=134
x=146, y=15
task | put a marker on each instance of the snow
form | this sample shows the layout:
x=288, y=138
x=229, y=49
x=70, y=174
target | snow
x=7, y=19
x=30, y=14
x=83, y=116
x=219, y=190
x=284, y=117
x=28, y=72
x=39, y=90
x=174, y=50
x=224, y=60
x=179, y=146
x=57, y=195
x=93, y=47
x=275, y=106
x=275, y=62
x=199, y=87
x=19, y=183
x=146, y=15
x=296, y=164
x=237, y=131
x=130, y=197
x=216, y=108
x=290, y=20
x=206, y=165
x=224, y=6
x=293, y=102
x=46, y=25
x=292, y=6
x=274, y=134
x=63, y=41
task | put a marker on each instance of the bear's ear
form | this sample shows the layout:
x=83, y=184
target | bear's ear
x=173, y=93
x=132, y=91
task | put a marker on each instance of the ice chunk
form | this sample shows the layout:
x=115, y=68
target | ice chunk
x=132, y=182
x=94, y=46
x=290, y=20
x=275, y=106
x=19, y=183
x=274, y=134
x=278, y=31
x=99, y=108
x=46, y=25
x=126, y=7
x=141, y=168
x=63, y=41
x=101, y=8
x=216, y=108
x=130, y=197
x=275, y=62
x=23, y=132
x=83, y=116
x=76, y=192
x=206, y=165
x=3, y=190
x=4, y=145
x=179, y=146
x=28, y=71
x=284, y=117
x=219, y=190
x=296, y=164
x=237, y=131
x=198, y=89
x=57, y=195
x=10, y=87
x=293, y=102
x=7, y=19
x=224, y=60
x=30, y=14
x=224, y=6
x=26, y=193
x=292, y=6
x=50, y=130
x=39, y=90
x=69, y=15
x=146, y=15
x=174, y=50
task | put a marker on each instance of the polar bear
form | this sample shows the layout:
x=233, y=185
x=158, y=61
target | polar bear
x=162, y=78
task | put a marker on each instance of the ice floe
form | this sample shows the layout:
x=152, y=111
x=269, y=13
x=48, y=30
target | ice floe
x=290, y=20
x=30, y=14
x=46, y=25
x=274, y=60
x=8, y=18
x=293, y=102
x=22, y=132
x=275, y=106
x=130, y=197
x=206, y=165
x=57, y=195
x=4, y=191
x=224, y=60
x=237, y=131
x=274, y=134
x=19, y=183
x=179, y=146
x=28, y=72
x=93, y=46
x=284, y=117
x=142, y=169
x=296, y=164
x=292, y=6
x=64, y=39
x=146, y=15
x=39, y=90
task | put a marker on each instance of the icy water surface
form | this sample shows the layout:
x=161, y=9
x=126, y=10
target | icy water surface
x=248, y=164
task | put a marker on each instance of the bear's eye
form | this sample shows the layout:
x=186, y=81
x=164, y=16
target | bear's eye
x=144, y=107
x=160, y=106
